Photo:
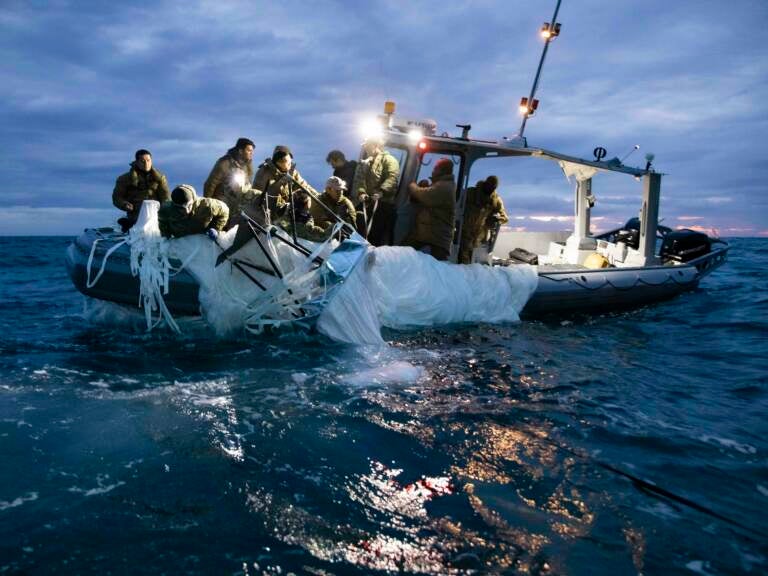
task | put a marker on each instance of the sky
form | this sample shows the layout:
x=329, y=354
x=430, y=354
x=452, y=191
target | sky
x=84, y=84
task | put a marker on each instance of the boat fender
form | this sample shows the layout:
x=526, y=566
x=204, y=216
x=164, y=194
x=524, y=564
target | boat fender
x=595, y=261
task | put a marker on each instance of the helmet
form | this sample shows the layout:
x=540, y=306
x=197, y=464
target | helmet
x=336, y=183
x=183, y=194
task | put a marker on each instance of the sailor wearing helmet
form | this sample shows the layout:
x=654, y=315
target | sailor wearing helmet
x=187, y=214
x=333, y=198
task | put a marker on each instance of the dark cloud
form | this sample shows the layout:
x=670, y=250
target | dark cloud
x=90, y=82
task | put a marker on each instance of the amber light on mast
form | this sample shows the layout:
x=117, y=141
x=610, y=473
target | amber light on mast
x=549, y=31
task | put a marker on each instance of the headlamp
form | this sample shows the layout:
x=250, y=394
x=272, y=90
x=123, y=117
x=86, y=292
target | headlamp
x=238, y=179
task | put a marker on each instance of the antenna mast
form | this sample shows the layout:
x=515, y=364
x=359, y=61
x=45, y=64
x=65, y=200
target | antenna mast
x=549, y=31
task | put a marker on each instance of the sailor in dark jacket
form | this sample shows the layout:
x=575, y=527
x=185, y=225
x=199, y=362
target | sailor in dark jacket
x=342, y=168
x=187, y=214
x=436, y=208
x=142, y=182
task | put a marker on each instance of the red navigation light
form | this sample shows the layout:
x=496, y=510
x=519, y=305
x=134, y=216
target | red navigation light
x=423, y=145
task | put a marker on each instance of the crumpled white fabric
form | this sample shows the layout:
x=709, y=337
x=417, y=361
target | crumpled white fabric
x=413, y=289
x=399, y=287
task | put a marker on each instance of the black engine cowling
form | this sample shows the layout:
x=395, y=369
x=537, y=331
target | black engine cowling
x=684, y=245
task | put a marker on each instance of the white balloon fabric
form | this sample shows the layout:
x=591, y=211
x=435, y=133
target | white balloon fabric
x=391, y=286
x=399, y=288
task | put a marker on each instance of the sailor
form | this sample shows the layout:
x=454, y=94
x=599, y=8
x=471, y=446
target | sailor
x=142, y=182
x=278, y=178
x=333, y=198
x=230, y=178
x=305, y=225
x=484, y=211
x=274, y=184
x=435, y=211
x=187, y=214
x=342, y=168
x=376, y=180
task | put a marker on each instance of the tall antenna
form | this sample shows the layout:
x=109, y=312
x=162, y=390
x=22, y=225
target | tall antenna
x=549, y=31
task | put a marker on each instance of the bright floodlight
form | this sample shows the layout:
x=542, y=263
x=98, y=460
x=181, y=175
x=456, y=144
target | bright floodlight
x=415, y=135
x=371, y=128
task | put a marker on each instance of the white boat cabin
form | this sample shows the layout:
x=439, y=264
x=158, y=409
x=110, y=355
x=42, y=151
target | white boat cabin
x=416, y=145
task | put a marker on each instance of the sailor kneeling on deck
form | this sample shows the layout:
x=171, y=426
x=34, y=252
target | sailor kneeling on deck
x=432, y=232
x=187, y=214
x=301, y=215
x=333, y=198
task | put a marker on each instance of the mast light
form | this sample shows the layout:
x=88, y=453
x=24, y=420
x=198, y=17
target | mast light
x=527, y=109
x=549, y=31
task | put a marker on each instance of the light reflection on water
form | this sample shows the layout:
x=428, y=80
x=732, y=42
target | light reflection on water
x=396, y=525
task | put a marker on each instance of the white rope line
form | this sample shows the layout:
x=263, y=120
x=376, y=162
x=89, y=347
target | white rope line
x=91, y=283
x=174, y=271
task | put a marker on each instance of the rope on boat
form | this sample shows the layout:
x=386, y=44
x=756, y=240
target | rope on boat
x=185, y=263
x=149, y=261
x=91, y=283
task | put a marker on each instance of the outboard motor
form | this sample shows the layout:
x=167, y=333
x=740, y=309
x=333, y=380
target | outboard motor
x=684, y=245
x=630, y=234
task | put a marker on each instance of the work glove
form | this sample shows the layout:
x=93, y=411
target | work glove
x=376, y=196
x=212, y=233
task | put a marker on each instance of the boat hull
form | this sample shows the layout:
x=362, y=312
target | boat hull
x=117, y=283
x=573, y=291
x=559, y=291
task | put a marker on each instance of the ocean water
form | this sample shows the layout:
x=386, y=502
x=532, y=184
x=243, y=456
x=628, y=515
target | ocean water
x=620, y=444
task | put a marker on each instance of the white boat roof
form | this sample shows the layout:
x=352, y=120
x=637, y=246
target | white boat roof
x=519, y=148
x=515, y=148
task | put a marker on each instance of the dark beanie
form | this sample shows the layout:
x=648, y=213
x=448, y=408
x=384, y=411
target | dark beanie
x=243, y=142
x=443, y=167
x=182, y=194
x=281, y=152
x=490, y=184
x=140, y=153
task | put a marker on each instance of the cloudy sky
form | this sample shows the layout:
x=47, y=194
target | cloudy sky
x=85, y=83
